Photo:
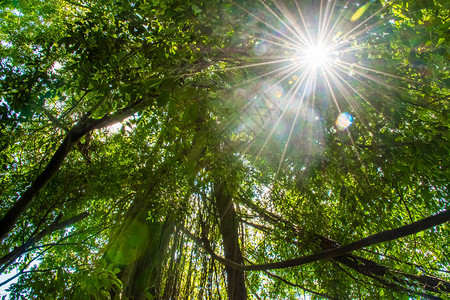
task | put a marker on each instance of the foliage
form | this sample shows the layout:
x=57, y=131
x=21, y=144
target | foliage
x=186, y=132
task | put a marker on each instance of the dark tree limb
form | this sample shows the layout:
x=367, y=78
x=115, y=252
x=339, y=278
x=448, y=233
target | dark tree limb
x=364, y=266
x=84, y=126
x=381, y=237
x=395, y=284
x=423, y=268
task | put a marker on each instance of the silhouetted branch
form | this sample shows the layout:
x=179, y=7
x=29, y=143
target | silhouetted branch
x=381, y=237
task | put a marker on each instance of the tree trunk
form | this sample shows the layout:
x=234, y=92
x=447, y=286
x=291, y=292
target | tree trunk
x=139, y=252
x=229, y=229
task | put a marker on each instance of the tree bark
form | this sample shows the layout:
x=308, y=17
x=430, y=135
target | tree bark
x=230, y=236
x=139, y=245
x=138, y=251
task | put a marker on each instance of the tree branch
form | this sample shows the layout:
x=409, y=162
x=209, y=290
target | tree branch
x=381, y=237
x=84, y=125
x=300, y=286
x=18, y=251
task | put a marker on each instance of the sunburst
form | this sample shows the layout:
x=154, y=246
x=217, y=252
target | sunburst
x=300, y=54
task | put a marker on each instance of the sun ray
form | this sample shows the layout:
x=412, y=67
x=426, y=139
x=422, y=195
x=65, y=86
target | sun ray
x=294, y=121
x=347, y=65
x=361, y=24
x=267, y=24
x=333, y=96
x=286, y=45
x=304, y=23
x=342, y=79
x=338, y=21
x=338, y=80
x=305, y=39
x=320, y=24
x=372, y=79
x=372, y=88
x=356, y=48
x=357, y=37
x=248, y=66
x=358, y=155
x=281, y=21
x=283, y=42
x=246, y=106
x=280, y=71
x=325, y=29
x=299, y=84
x=313, y=98
x=342, y=69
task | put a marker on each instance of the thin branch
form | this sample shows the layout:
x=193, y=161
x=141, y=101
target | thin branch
x=20, y=272
x=49, y=245
x=75, y=105
x=299, y=286
x=56, y=225
x=406, y=262
x=54, y=120
x=24, y=272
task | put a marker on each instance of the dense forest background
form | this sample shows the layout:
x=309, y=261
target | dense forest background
x=169, y=149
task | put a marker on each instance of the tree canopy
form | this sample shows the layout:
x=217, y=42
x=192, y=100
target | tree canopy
x=278, y=149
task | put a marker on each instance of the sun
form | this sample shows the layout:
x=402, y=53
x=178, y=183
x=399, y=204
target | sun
x=317, y=55
x=313, y=55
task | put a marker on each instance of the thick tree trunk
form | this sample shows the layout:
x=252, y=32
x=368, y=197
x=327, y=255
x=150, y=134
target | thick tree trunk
x=230, y=235
x=143, y=276
x=138, y=250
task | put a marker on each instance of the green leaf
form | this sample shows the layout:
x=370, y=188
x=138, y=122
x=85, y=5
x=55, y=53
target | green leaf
x=163, y=98
x=196, y=9
x=169, y=30
x=152, y=82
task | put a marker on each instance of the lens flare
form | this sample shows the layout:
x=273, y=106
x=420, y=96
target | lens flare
x=344, y=121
